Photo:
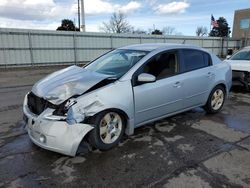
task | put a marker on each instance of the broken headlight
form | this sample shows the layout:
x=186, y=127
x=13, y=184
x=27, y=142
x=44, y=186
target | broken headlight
x=75, y=115
x=69, y=103
x=63, y=108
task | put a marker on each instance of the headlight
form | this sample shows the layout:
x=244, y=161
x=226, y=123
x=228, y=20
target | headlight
x=62, y=109
x=75, y=115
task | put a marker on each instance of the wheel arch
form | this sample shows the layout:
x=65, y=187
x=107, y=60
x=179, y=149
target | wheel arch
x=223, y=84
x=129, y=129
x=207, y=106
x=224, y=87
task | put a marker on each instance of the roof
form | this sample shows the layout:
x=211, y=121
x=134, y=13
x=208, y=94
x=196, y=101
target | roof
x=242, y=10
x=154, y=46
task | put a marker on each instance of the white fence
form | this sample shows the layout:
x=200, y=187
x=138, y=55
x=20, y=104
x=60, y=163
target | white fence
x=39, y=47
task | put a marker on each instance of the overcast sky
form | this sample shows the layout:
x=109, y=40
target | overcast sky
x=183, y=15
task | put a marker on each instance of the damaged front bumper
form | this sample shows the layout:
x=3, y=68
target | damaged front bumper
x=53, y=132
x=241, y=77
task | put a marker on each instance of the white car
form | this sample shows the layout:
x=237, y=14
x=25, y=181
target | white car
x=240, y=65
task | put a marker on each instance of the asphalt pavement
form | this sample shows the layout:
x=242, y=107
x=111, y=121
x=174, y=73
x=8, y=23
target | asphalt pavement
x=192, y=149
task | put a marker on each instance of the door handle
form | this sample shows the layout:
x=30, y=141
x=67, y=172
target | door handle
x=210, y=74
x=177, y=84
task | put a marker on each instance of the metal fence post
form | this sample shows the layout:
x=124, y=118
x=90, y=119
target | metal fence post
x=31, y=49
x=4, y=55
x=222, y=46
x=111, y=42
x=227, y=44
x=75, y=50
x=212, y=45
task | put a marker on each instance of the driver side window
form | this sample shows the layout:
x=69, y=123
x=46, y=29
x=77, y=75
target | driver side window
x=162, y=65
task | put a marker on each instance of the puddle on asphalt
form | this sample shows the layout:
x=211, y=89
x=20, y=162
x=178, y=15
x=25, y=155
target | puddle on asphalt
x=237, y=123
x=220, y=130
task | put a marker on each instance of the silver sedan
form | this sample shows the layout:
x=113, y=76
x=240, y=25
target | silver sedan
x=121, y=90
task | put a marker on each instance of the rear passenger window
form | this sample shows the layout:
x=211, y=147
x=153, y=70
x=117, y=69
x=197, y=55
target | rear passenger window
x=207, y=59
x=195, y=59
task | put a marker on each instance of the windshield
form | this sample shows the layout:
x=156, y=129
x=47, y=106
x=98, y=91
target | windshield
x=117, y=62
x=241, y=55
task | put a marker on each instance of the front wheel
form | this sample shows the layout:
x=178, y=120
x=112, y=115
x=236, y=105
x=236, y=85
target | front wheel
x=216, y=100
x=109, y=129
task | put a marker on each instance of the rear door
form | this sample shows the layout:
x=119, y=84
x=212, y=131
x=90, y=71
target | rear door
x=197, y=69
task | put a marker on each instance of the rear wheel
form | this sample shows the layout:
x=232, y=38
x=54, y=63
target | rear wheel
x=216, y=100
x=109, y=129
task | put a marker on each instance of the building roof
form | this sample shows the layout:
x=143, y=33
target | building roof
x=241, y=10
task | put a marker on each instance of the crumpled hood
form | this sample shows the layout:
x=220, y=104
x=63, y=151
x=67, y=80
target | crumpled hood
x=239, y=65
x=61, y=85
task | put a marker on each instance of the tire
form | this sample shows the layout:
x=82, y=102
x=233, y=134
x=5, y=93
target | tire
x=108, y=131
x=215, y=100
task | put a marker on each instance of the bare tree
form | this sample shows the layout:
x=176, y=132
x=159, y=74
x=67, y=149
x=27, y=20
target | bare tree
x=117, y=24
x=169, y=30
x=201, y=31
x=139, y=31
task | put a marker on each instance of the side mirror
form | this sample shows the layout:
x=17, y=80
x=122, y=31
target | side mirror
x=146, y=78
x=228, y=56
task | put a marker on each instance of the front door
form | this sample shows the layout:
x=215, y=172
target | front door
x=165, y=95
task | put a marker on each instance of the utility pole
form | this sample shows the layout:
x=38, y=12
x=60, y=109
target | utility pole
x=79, y=21
x=228, y=35
x=83, y=16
